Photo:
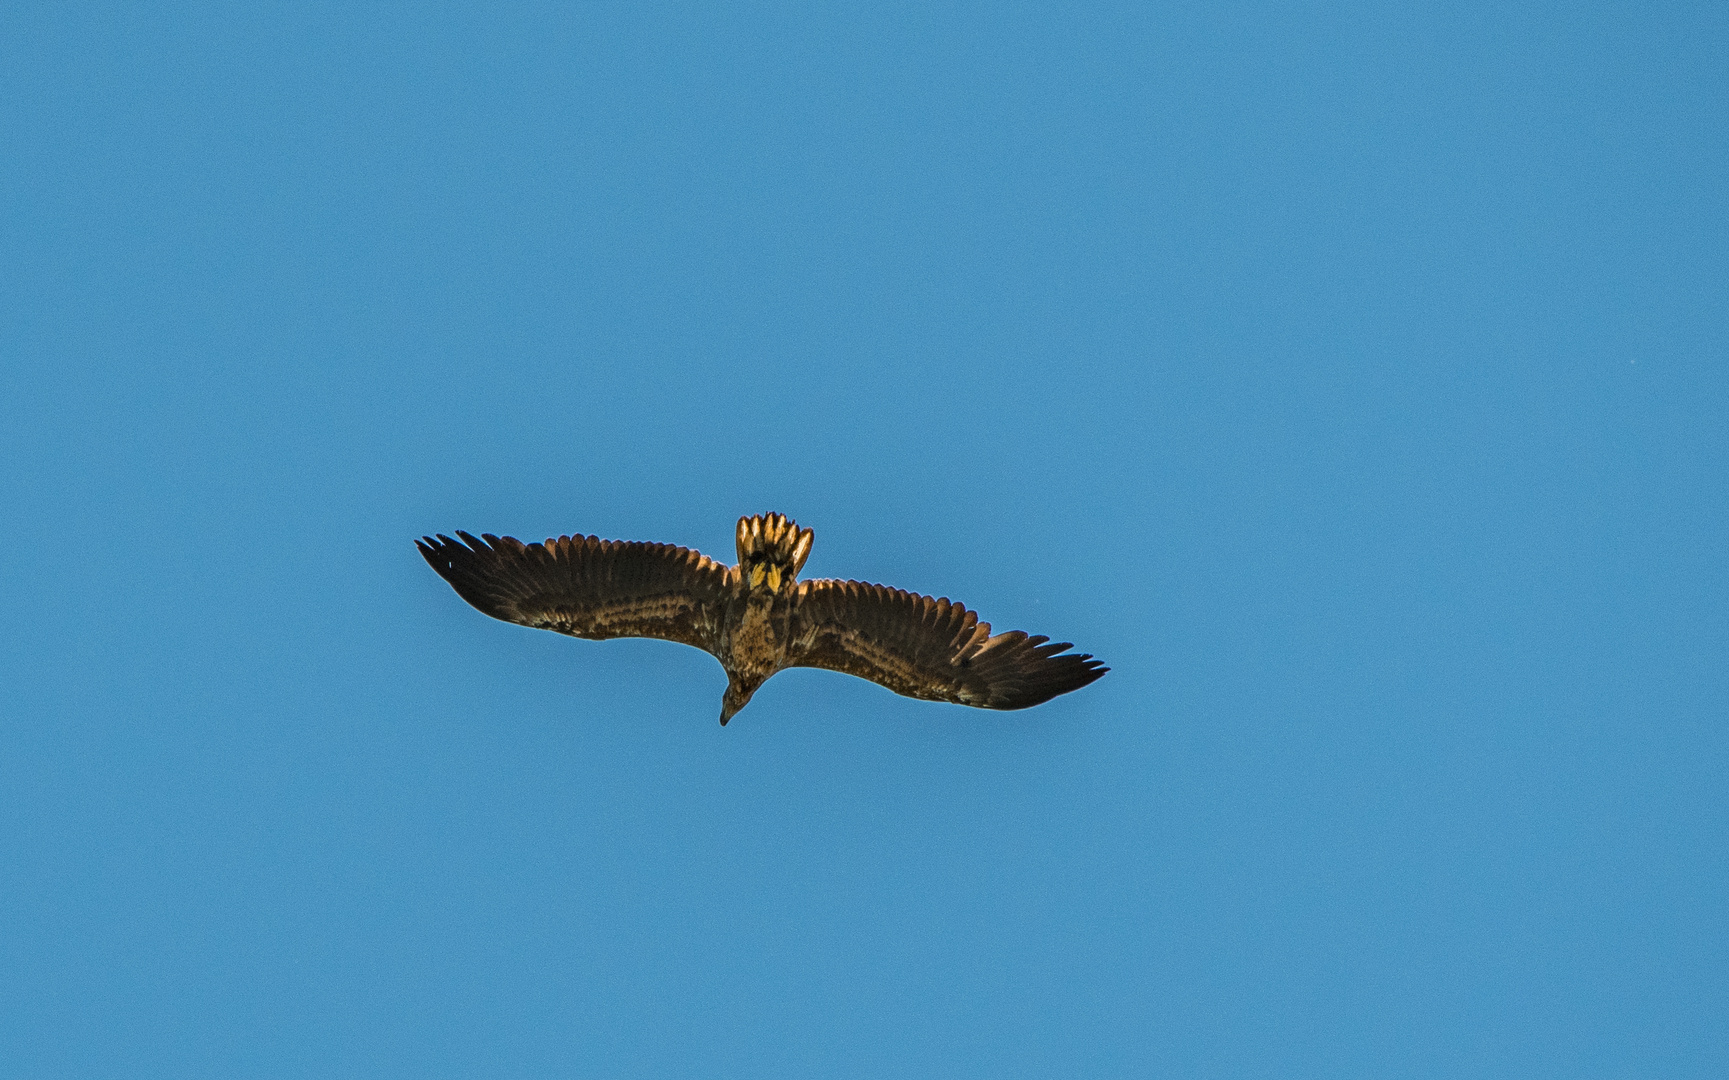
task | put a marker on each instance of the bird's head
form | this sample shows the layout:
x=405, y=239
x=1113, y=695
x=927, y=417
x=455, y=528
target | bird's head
x=737, y=696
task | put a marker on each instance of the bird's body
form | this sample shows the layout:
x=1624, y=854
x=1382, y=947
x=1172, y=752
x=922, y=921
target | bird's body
x=757, y=618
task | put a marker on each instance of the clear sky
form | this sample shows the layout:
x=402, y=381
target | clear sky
x=1350, y=378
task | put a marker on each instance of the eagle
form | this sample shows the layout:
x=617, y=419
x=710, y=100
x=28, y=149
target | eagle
x=757, y=618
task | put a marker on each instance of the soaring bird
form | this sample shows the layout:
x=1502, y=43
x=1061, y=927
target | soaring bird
x=757, y=618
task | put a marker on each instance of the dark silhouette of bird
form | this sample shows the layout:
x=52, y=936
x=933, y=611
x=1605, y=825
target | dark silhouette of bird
x=757, y=618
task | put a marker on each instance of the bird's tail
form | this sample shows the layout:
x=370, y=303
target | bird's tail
x=774, y=539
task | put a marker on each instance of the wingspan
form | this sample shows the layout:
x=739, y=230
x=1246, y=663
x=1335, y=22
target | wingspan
x=931, y=649
x=587, y=587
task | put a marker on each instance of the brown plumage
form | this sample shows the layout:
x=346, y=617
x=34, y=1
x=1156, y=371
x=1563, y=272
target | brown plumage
x=755, y=617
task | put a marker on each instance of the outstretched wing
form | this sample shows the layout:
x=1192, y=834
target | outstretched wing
x=587, y=587
x=925, y=648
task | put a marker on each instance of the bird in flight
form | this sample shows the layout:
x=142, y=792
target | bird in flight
x=757, y=618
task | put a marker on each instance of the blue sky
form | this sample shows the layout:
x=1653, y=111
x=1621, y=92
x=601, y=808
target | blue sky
x=1350, y=378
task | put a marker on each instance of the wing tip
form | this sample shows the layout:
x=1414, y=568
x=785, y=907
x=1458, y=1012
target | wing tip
x=1033, y=675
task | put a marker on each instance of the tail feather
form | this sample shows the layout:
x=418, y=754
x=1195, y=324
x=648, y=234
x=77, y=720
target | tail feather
x=774, y=539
